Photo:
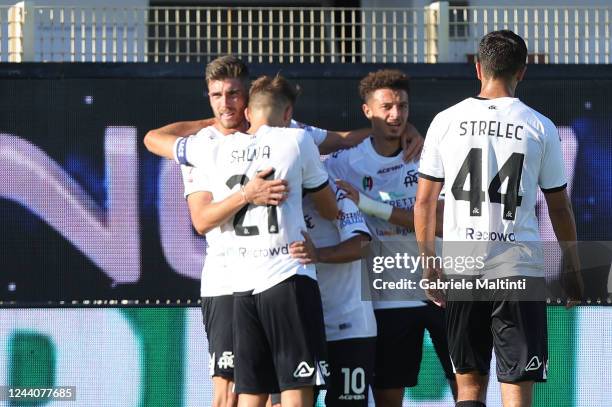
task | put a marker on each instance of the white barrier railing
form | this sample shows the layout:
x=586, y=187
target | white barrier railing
x=435, y=33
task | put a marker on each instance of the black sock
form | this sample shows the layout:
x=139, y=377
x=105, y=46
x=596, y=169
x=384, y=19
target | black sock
x=470, y=403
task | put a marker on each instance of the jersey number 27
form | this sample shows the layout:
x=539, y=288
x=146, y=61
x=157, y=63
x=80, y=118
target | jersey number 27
x=239, y=227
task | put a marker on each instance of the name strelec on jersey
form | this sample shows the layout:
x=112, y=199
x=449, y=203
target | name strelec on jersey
x=491, y=128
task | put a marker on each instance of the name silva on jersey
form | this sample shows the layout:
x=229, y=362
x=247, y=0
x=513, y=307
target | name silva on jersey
x=250, y=154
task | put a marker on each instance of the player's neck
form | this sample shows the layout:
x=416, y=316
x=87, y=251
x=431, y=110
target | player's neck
x=385, y=146
x=493, y=89
x=242, y=128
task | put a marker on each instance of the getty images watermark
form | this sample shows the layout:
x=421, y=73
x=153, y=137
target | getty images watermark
x=394, y=270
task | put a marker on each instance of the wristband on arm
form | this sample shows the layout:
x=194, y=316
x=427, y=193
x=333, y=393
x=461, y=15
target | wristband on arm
x=374, y=208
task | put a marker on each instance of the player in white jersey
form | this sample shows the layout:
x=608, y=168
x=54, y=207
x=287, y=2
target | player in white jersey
x=226, y=79
x=506, y=150
x=278, y=334
x=350, y=325
x=384, y=186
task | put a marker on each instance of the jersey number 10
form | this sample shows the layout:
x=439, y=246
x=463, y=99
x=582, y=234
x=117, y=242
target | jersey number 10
x=239, y=228
x=472, y=165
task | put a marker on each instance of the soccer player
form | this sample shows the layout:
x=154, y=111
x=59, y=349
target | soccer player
x=506, y=150
x=279, y=334
x=375, y=176
x=227, y=81
x=350, y=326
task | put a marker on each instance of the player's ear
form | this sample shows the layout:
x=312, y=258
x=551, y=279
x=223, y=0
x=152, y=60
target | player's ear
x=478, y=71
x=247, y=115
x=366, y=111
x=288, y=114
x=521, y=74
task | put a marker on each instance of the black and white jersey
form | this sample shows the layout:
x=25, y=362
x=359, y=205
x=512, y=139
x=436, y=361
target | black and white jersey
x=256, y=240
x=492, y=156
x=214, y=280
x=389, y=180
x=215, y=275
x=346, y=315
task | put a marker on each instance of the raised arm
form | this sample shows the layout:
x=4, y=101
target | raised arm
x=161, y=141
x=412, y=141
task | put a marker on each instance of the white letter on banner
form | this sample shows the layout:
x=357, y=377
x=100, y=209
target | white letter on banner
x=183, y=249
x=110, y=239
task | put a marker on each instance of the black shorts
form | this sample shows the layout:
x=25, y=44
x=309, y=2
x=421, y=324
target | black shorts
x=399, y=347
x=279, y=338
x=218, y=313
x=517, y=330
x=351, y=364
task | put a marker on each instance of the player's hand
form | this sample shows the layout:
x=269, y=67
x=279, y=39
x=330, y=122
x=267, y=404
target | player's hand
x=304, y=250
x=412, y=143
x=349, y=190
x=437, y=296
x=571, y=281
x=260, y=191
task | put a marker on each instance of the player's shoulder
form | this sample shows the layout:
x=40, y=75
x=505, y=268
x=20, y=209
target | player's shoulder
x=345, y=154
x=540, y=121
x=208, y=133
x=458, y=109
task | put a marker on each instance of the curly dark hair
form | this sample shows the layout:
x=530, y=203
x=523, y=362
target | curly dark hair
x=502, y=54
x=383, y=79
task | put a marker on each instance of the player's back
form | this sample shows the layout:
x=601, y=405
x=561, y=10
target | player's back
x=257, y=238
x=493, y=155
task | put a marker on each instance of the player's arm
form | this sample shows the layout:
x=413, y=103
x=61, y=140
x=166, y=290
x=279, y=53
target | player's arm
x=207, y=214
x=197, y=202
x=553, y=183
x=349, y=250
x=324, y=201
x=412, y=141
x=564, y=225
x=397, y=216
x=161, y=141
x=427, y=213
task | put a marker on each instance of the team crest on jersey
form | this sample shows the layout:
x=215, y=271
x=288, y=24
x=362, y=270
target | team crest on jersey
x=367, y=182
x=410, y=179
x=226, y=361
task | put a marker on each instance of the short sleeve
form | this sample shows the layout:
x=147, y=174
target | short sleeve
x=552, y=170
x=314, y=175
x=334, y=164
x=194, y=180
x=192, y=150
x=350, y=221
x=431, y=167
x=318, y=135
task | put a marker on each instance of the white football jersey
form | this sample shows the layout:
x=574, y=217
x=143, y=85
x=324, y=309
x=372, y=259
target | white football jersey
x=389, y=180
x=493, y=155
x=215, y=279
x=346, y=315
x=258, y=238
